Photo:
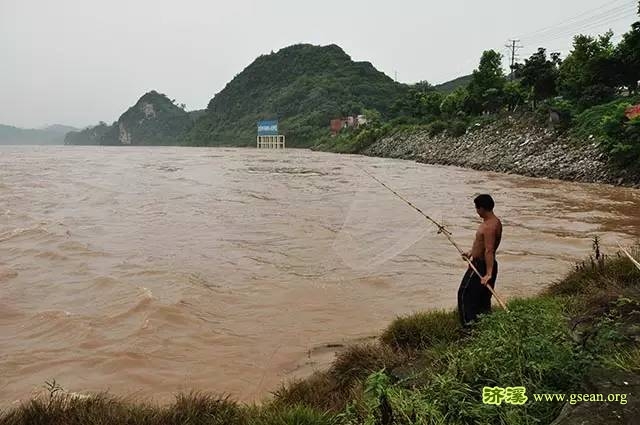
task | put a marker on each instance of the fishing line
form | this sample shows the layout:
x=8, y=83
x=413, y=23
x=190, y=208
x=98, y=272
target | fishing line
x=373, y=231
x=441, y=229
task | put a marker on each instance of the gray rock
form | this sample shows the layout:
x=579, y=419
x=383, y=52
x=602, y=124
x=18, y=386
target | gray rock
x=532, y=152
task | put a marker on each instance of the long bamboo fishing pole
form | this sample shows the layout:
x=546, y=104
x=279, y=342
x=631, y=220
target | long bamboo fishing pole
x=444, y=231
x=633, y=260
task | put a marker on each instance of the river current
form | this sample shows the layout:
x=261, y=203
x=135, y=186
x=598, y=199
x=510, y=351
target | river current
x=149, y=271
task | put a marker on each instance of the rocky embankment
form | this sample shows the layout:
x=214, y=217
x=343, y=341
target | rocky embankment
x=508, y=146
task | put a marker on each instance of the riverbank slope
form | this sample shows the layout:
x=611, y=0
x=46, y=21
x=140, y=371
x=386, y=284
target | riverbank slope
x=509, y=145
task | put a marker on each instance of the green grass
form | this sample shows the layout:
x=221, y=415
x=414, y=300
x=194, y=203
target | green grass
x=530, y=347
x=423, y=330
x=191, y=409
x=589, y=123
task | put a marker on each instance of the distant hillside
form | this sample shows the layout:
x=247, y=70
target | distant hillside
x=153, y=120
x=89, y=136
x=450, y=86
x=303, y=86
x=59, y=128
x=51, y=135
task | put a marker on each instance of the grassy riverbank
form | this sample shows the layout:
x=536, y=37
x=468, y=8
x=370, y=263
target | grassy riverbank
x=577, y=334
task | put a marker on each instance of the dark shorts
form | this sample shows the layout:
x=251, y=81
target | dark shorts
x=473, y=297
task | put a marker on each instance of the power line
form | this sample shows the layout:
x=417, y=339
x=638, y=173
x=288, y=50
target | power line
x=576, y=19
x=583, y=23
x=513, y=46
x=584, y=26
x=599, y=26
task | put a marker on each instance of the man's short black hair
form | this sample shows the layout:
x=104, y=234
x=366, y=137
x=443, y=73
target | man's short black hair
x=484, y=201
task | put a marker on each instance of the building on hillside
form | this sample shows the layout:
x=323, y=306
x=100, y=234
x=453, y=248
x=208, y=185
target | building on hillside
x=632, y=112
x=353, y=121
x=337, y=124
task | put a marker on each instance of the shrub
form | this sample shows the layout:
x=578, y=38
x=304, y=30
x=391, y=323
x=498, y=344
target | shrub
x=366, y=137
x=622, y=136
x=437, y=127
x=457, y=128
x=595, y=95
x=607, y=123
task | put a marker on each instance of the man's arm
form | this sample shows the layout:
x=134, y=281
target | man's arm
x=489, y=252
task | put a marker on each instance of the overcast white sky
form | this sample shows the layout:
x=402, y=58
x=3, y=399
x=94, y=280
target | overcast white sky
x=77, y=62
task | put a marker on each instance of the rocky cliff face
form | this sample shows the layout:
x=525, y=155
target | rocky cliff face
x=153, y=120
x=509, y=146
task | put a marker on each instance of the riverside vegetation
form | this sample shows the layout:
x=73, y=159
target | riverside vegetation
x=588, y=92
x=305, y=86
x=577, y=336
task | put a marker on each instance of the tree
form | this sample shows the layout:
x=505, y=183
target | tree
x=627, y=57
x=455, y=101
x=514, y=95
x=493, y=99
x=487, y=83
x=587, y=75
x=430, y=103
x=539, y=75
x=423, y=86
x=372, y=116
x=421, y=102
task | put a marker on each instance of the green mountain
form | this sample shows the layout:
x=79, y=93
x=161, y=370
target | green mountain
x=303, y=86
x=450, y=86
x=51, y=135
x=153, y=120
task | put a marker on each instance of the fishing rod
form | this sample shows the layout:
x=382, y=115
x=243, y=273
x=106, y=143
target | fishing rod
x=441, y=229
x=633, y=260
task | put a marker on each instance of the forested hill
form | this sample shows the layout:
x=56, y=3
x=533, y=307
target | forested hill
x=303, y=86
x=450, y=86
x=51, y=135
x=153, y=120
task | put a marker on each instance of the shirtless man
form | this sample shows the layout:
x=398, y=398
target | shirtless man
x=473, y=296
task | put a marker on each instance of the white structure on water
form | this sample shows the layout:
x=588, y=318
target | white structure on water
x=270, y=142
x=268, y=137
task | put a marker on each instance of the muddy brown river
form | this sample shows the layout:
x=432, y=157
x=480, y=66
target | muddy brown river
x=148, y=271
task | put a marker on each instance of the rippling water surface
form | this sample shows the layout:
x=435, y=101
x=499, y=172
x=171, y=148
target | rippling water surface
x=148, y=271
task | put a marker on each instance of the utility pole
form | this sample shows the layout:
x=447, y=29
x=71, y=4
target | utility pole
x=513, y=45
